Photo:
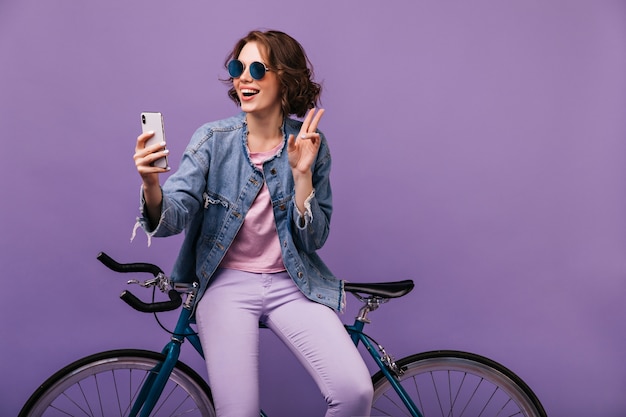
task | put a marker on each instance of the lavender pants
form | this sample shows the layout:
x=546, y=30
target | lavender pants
x=228, y=318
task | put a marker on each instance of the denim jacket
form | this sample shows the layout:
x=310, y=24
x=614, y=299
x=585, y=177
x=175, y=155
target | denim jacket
x=211, y=192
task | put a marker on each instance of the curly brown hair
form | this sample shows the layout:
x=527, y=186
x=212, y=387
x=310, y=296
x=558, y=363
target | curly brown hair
x=287, y=58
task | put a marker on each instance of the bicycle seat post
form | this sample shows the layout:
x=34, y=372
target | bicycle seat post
x=371, y=303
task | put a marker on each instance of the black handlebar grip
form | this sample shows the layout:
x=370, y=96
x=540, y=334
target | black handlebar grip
x=132, y=267
x=158, y=307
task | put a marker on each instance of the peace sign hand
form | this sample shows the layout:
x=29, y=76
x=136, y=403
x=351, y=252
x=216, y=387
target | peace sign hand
x=303, y=151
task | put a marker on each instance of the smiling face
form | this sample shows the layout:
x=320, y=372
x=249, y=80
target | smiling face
x=289, y=70
x=261, y=97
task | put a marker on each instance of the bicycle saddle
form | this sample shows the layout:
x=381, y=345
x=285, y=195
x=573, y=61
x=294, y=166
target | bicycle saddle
x=381, y=289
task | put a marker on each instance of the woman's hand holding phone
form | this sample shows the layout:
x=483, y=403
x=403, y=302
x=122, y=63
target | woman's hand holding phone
x=151, y=160
x=149, y=155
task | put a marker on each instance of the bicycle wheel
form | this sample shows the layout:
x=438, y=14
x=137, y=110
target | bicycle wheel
x=456, y=384
x=106, y=384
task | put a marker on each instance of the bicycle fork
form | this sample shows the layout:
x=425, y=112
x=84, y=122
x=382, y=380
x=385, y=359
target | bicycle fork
x=155, y=382
x=157, y=379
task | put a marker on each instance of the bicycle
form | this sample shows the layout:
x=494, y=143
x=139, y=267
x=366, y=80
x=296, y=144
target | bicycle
x=130, y=382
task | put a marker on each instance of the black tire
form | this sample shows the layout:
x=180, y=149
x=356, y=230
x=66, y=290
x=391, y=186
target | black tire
x=105, y=383
x=452, y=384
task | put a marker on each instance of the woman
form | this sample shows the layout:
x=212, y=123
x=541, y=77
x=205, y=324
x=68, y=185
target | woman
x=253, y=195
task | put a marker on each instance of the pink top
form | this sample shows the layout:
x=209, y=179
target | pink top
x=256, y=247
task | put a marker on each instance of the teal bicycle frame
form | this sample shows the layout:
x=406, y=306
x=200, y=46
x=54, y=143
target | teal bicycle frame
x=357, y=335
x=154, y=384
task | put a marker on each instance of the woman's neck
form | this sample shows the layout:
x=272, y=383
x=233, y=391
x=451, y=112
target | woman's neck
x=264, y=133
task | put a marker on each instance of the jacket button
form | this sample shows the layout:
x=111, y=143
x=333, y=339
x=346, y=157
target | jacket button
x=300, y=274
x=282, y=207
x=273, y=171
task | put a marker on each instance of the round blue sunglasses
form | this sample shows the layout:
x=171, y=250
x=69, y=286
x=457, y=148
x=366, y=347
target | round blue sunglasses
x=257, y=69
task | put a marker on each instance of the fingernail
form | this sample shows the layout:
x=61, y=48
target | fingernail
x=166, y=151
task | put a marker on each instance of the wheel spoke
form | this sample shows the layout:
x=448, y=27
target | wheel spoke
x=119, y=401
x=399, y=407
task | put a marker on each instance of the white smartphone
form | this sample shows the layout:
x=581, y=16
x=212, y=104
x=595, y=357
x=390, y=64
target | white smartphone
x=153, y=121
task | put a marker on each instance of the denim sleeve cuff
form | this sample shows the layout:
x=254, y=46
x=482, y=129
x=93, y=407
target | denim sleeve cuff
x=303, y=220
x=143, y=223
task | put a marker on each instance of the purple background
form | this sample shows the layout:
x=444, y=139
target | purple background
x=478, y=149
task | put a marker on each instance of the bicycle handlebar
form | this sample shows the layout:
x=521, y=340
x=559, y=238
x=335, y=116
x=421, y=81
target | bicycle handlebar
x=134, y=267
x=157, y=307
x=131, y=299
